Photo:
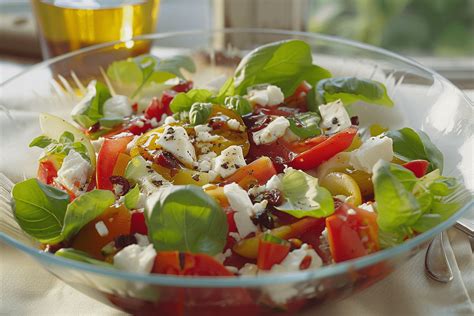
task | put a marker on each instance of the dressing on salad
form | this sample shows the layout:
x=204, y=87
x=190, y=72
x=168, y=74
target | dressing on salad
x=268, y=174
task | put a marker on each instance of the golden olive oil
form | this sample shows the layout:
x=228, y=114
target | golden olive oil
x=67, y=25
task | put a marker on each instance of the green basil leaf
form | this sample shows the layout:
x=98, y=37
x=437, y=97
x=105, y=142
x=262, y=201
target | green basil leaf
x=184, y=218
x=110, y=122
x=199, y=113
x=396, y=204
x=81, y=256
x=350, y=90
x=66, y=138
x=238, y=104
x=131, y=198
x=91, y=108
x=145, y=69
x=409, y=144
x=84, y=209
x=305, y=125
x=184, y=100
x=284, y=64
x=39, y=209
x=226, y=90
x=303, y=196
x=41, y=141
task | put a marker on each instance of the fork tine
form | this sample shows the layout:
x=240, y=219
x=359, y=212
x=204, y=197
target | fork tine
x=68, y=88
x=107, y=82
x=78, y=83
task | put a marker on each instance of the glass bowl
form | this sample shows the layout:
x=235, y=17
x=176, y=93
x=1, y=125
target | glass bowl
x=423, y=99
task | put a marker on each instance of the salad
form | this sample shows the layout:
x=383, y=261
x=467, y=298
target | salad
x=266, y=171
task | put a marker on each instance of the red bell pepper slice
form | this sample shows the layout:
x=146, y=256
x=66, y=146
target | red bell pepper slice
x=271, y=250
x=107, y=158
x=138, y=224
x=419, y=167
x=313, y=157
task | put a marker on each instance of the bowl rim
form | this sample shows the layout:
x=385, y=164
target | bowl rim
x=244, y=281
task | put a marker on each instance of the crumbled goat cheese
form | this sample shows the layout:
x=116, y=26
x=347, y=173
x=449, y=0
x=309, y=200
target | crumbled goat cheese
x=367, y=206
x=271, y=132
x=249, y=269
x=101, y=229
x=74, y=172
x=334, y=117
x=142, y=240
x=372, y=150
x=271, y=95
x=203, y=134
x=154, y=122
x=169, y=120
x=134, y=258
x=235, y=125
x=229, y=161
x=176, y=141
x=220, y=257
x=281, y=293
x=117, y=106
x=242, y=205
x=259, y=207
x=204, y=163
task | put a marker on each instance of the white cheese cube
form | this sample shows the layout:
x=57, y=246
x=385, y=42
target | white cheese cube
x=117, y=106
x=271, y=95
x=372, y=150
x=334, y=117
x=242, y=205
x=271, y=132
x=176, y=141
x=134, y=258
x=229, y=161
x=101, y=229
x=74, y=172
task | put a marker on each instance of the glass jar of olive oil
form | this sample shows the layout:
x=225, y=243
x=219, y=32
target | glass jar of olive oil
x=67, y=25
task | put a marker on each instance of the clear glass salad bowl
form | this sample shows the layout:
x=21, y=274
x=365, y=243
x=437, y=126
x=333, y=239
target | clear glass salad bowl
x=423, y=99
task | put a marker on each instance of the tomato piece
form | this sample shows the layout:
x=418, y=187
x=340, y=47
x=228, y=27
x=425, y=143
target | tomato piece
x=419, y=167
x=313, y=157
x=183, y=86
x=107, y=159
x=47, y=171
x=271, y=252
x=257, y=172
x=138, y=224
x=248, y=247
x=181, y=263
x=167, y=97
x=344, y=242
x=156, y=109
x=117, y=221
x=298, y=98
x=352, y=233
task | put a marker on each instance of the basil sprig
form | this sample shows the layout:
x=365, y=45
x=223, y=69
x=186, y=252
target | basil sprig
x=184, y=218
x=305, y=125
x=238, y=104
x=44, y=212
x=145, y=69
x=199, y=113
x=284, y=64
x=348, y=90
x=60, y=147
x=410, y=144
x=406, y=204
